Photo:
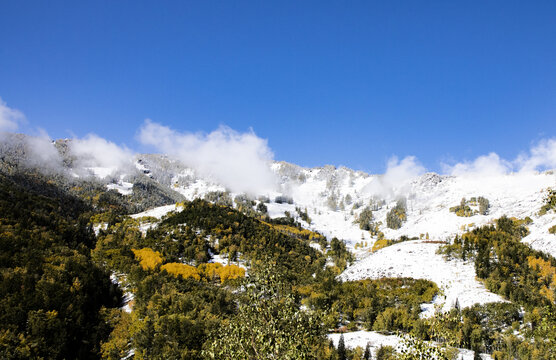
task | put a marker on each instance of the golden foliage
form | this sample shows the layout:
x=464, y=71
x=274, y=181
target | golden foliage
x=148, y=259
x=547, y=275
x=210, y=271
x=183, y=270
x=379, y=244
x=231, y=272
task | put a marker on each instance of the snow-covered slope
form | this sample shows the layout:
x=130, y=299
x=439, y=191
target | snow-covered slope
x=376, y=340
x=418, y=259
x=334, y=198
x=329, y=194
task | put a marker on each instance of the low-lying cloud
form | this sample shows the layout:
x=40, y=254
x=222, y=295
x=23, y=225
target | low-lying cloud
x=485, y=165
x=397, y=177
x=10, y=118
x=42, y=153
x=541, y=156
x=239, y=161
x=93, y=151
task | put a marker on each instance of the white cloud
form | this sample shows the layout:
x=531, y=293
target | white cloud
x=485, y=165
x=94, y=151
x=43, y=153
x=397, y=177
x=9, y=118
x=541, y=156
x=240, y=161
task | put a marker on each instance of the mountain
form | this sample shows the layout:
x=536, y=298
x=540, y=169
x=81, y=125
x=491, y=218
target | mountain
x=335, y=197
x=397, y=226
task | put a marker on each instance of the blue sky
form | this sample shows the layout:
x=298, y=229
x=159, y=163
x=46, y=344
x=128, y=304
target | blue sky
x=343, y=83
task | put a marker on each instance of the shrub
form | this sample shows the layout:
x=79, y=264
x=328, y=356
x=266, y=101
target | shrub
x=393, y=319
x=549, y=202
x=379, y=244
x=210, y=271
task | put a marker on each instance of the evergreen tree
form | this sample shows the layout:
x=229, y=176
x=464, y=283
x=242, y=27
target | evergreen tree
x=484, y=205
x=367, y=354
x=365, y=218
x=341, y=348
x=397, y=215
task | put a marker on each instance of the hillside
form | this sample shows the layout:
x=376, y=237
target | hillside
x=445, y=259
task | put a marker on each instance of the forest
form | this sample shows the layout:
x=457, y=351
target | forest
x=72, y=257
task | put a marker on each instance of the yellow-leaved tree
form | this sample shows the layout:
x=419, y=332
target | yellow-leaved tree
x=148, y=259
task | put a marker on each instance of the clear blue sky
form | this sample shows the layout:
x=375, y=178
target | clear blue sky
x=344, y=83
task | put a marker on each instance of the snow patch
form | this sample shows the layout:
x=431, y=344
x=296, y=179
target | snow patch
x=157, y=212
x=418, y=260
x=376, y=340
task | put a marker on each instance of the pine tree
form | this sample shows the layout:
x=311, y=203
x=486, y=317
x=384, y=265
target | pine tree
x=341, y=348
x=367, y=354
x=457, y=306
x=365, y=219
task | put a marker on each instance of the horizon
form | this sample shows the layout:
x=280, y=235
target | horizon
x=451, y=86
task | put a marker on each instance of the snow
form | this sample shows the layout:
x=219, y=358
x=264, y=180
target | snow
x=376, y=340
x=361, y=338
x=142, y=168
x=429, y=198
x=223, y=259
x=157, y=212
x=517, y=195
x=340, y=225
x=102, y=172
x=124, y=188
x=539, y=238
x=418, y=259
x=98, y=227
x=197, y=189
x=276, y=210
x=128, y=297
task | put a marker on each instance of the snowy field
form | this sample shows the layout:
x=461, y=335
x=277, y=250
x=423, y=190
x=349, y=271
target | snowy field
x=418, y=259
x=157, y=212
x=376, y=340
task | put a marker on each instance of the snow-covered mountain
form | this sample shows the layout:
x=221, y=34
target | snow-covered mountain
x=331, y=200
x=334, y=198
